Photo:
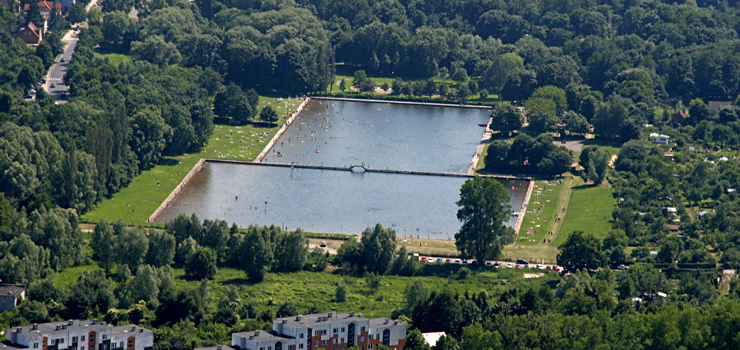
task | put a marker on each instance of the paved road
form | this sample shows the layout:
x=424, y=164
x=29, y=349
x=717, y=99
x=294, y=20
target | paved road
x=55, y=75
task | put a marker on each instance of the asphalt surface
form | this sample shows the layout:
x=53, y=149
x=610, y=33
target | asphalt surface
x=56, y=73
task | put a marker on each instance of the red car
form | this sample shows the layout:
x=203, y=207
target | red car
x=423, y=259
x=518, y=266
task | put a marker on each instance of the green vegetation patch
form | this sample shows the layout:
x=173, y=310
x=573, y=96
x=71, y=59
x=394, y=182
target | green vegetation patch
x=540, y=212
x=317, y=289
x=590, y=211
x=115, y=58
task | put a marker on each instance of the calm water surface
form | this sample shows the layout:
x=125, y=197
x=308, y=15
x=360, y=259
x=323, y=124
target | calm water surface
x=382, y=135
x=327, y=200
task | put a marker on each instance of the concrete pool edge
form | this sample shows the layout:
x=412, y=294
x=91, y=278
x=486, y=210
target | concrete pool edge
x=432, y=104
x=280, y=132
x=177, y=190
x=203, y=161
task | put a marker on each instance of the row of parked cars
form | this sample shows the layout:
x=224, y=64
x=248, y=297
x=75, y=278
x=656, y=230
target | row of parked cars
x=520, y=264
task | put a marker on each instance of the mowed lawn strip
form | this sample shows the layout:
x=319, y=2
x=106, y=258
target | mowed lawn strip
x=590, y=211
x=540, y=213
x=135, y=203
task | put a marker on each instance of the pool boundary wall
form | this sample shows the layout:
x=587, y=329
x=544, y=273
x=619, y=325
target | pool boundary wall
x=433, y=104
x=280, y=132
x=177, y=190
x=523, y=209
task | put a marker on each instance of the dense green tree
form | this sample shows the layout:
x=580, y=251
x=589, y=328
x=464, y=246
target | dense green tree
x=506, y=118
x=581, y=251
x=291, y=252
x=594, y=161
x=256, y=255
x=269, y=115
x=130, y=247
x=202, y=264
x=161, y=251
x=378, y=249
x=287, y=309
x=91, y=293
x=484, y=208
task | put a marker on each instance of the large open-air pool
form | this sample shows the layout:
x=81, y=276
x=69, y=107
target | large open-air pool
x=342, y=133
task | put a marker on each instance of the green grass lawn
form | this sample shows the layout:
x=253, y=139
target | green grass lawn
x=68, y=277
x=610, y=147
x=135, y=203
x=540, y=212
x=308, y=289
x=590, y=211
x=115, y=58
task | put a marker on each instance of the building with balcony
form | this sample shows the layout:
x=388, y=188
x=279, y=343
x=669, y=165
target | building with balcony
x=79, y=335
x=329, y=331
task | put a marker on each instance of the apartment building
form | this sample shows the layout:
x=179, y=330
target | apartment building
x=329, y=331
x=80, y=335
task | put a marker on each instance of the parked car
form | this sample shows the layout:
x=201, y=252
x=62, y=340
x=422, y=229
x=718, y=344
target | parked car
x=540, y=266
x=465, y=261
x=27, y=96
x=509, y=265
x=497, y=264
x=323, y=244
x=522, y=262
x=518, y=266
x=527, y=267
x=53, y=85
x=439, y=260
x=622, y=267
x=62, y=60
x=556, y=267
x=423, y=259
x=448, y=261
x=488, y=263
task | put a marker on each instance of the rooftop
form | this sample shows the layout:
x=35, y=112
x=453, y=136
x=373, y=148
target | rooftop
x=216, y=347
x=261, y=336
x=312, y=319
x=11, y=289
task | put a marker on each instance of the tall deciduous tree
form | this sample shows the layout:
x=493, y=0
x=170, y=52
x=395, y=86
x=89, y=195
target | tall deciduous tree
x=378, y=248
x=581, y=251
x=256, y=255
x=506, y=118
x=202, y=264
x=484, y=208
x=291, y=252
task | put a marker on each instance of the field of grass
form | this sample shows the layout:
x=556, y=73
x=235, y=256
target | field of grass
x=115, y=58
x=317, y=289
x=135, y=203
x=541, y=212
x=68, y=277
x=610, y=147
x=590, y=211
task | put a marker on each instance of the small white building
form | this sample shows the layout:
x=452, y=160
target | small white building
x=431, y=338
x=661, y=139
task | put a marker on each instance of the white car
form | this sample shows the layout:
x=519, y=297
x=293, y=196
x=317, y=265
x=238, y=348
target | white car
x=540, y=266
x=509, y=265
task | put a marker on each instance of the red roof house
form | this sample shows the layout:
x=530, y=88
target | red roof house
x=31, y=34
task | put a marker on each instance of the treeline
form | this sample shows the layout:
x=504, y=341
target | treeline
x=201, y=247
x=529, y=155
x=600, y=310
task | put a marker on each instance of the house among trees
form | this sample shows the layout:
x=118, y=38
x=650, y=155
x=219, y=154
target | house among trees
x=659, y=138
x=717, y=105
x=47, y=8
x=32, y=34
x=678, y=118
x=79, y=335
x=11, y=295
x=332, y=331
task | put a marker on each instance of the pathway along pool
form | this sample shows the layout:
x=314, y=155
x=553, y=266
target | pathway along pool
x=328, y=201
x=382, y=135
